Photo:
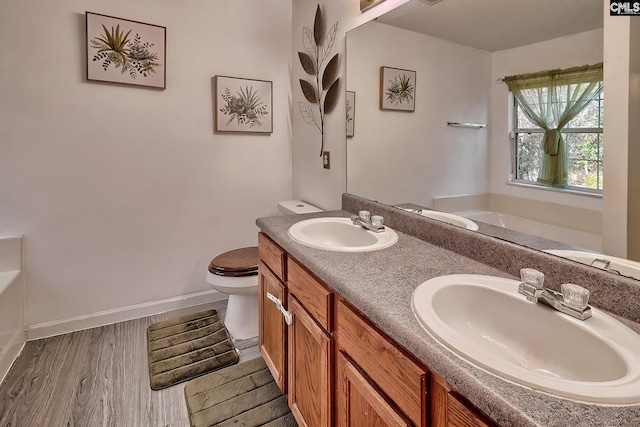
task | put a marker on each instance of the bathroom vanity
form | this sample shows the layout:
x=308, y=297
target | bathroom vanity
x=339, y=336
x=322, y=344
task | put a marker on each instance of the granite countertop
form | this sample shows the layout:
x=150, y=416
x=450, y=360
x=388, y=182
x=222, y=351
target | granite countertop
x=380, y=285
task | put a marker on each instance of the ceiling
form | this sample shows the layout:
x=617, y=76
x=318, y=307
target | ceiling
x=497, y=24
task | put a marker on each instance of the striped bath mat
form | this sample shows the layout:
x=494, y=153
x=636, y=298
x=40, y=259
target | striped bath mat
x=242, y=395
x=186, y=347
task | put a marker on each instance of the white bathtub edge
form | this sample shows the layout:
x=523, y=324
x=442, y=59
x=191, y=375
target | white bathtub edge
x=10, y=354
x=579, y=238
x=107, y=317
x=12, y=306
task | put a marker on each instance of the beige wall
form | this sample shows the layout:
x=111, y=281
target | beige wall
x=633, y=208
x=125, y=194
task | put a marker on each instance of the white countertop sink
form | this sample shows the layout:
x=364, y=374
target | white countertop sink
x=620, y=265
x=340, y=235
x=484, y=320
x=449, y=218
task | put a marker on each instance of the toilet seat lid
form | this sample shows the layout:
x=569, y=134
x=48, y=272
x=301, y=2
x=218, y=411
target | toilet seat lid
x=236, y=263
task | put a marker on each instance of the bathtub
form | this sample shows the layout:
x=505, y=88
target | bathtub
x=569, y=236
x=12, y=336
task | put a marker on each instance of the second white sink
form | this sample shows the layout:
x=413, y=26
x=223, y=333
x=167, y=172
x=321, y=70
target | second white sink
x=340, y=235
x=486, y=321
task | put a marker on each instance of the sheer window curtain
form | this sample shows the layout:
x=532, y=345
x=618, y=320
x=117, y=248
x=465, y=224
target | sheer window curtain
x=550, y=99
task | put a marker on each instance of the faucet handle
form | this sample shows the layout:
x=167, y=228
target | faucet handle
x=575, y=296
x=377, y=221
x=366, y=215
x=532, y=277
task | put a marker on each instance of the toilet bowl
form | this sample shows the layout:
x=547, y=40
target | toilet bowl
x=235, y=273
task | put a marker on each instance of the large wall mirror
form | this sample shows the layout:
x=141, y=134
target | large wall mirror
x=458, y=50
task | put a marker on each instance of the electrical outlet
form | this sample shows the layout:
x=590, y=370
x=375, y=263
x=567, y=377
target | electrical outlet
x=326, y=160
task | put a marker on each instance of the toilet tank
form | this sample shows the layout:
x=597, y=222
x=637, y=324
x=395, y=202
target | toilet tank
x=292, y=207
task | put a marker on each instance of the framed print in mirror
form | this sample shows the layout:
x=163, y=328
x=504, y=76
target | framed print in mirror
x=243, y=105
x=397, y=89
x=351, y=113
x=125, y=52
x=366, y=4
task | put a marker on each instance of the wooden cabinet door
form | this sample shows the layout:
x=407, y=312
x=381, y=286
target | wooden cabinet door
x=310, y=373
x=272, y=330
x=449, y=409
x=359, y=403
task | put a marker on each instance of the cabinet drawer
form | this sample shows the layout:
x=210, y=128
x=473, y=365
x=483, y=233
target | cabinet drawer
x=398, y=376
x=273, y=255
x=313, y=295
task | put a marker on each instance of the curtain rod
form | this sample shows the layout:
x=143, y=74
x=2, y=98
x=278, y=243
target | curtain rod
x=555, y=71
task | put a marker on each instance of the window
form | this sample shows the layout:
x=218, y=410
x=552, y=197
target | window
x=583, y=143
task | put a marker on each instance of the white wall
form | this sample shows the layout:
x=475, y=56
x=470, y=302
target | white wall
x=579, y=49
x=397, y=157
x=622, y=84
x=616, y=81
x=311, y=182
x=125, y=194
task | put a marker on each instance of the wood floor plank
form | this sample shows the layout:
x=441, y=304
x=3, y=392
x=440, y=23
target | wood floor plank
x=96, y=377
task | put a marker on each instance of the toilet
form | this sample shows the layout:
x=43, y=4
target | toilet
x=235, y=273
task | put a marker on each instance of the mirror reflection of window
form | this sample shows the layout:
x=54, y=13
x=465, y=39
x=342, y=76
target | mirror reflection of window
x=558, y=124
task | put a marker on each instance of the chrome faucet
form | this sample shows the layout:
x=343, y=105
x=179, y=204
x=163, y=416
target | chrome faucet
x=572, y=300
x=605, y=264
x=371, y=223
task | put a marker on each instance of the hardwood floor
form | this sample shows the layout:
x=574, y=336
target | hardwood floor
x=96, y=377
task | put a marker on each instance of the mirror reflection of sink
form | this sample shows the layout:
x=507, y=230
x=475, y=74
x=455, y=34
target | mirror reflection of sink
x=460, y=221
x=484, y=320
x=618, y=265
x=340, y=235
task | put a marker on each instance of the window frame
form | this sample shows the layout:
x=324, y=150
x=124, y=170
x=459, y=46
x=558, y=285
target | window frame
x=514, y=153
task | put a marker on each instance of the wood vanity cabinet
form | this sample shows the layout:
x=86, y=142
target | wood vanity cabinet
x=326, y=355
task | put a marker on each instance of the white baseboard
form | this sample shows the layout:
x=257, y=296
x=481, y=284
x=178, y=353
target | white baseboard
x=102, y=318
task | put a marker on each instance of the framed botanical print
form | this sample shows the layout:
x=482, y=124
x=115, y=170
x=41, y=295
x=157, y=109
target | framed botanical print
x=243, y=105
x=125, y=52
x=351, y=113
x=397, y=89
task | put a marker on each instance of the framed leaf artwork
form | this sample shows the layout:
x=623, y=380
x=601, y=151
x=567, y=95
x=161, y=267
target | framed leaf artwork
x=125, y=52
x=351, y=113
x=397, y=89
x=243, y=105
